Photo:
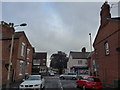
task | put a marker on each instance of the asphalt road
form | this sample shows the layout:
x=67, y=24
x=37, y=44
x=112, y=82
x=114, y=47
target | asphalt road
x=53, y=82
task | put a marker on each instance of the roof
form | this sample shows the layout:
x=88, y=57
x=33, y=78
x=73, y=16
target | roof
x=79, y=67
x=79, y=55
x=90, y=54
x=40, y=55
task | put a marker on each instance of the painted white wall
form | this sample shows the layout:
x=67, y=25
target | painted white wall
x=76, y=62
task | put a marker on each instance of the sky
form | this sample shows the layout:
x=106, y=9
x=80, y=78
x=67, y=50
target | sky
x=56, y=26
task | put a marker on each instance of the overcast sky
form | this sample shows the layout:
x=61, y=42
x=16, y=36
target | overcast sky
x=56, y=26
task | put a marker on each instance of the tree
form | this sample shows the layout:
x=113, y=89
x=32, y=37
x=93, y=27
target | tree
x=59, y=61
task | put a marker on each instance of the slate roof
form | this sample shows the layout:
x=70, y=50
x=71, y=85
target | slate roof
x=40, y=55
x=79, y=55
x=90, y=54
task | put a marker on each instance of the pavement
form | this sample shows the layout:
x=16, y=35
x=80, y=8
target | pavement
x=13, y=85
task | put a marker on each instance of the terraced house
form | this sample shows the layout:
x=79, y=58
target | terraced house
x=21, y=65
x=107, y=48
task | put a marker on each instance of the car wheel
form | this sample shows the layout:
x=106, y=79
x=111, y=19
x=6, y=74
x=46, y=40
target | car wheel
x=62, y=78
x=73, y=78
x=77, y=86
x=40, y=87
x=83, y=87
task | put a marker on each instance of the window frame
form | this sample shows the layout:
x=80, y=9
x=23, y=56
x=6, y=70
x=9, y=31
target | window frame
x=23, y=49
x=21, y=67
x=28, y=53
x=80, y=62
x=27, y=67
x=107, y=50
x=34, y=63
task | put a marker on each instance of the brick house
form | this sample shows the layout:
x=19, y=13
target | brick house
x=78, y=62
x=22, y=53
x=39, y=63
x=107, y=48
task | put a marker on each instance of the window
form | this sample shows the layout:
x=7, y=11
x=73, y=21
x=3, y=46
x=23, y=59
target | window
x=26, y=67
x=36, y=62
x=80, y=62
x=42, y=70
x=44, y=59
x=28, y=53
x=36, y=67
x=43, y=63
x=21, y=68
x=107, y=48
x=23, y=49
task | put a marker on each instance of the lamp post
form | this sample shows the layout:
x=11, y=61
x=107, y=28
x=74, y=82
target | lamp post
x=90, y=52
x=11, y=52
x=90, y=42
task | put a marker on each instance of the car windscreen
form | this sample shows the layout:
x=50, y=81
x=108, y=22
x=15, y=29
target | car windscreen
x=94, y=79
x=34, y=78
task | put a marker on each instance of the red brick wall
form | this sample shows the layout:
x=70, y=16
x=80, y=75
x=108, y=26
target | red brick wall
x=19, y=57
x=108, y=65
x=16, y=55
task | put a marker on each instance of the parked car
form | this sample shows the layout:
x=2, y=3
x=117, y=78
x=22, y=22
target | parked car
x=33, y=82
x=55, y=72
x=51, y=74
x=89, y=82
x=69, y=75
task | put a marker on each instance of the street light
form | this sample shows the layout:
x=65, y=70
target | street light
x=90, y=42
x=90, y=52
x=11, y=51
x=23, y=24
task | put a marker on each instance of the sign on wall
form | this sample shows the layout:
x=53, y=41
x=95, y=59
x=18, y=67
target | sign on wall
x=83, y=72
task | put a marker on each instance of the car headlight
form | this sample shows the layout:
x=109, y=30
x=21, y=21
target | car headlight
x=21, y=86
x=37, y=85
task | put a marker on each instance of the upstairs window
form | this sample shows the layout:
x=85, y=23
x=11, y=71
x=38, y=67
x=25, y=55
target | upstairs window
x=36, y=62
x=28, y=53
x=107, y=52
x=23, y=49
x=80, y=62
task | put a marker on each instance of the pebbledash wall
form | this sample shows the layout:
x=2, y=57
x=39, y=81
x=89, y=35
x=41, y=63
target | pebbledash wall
x=21, y=63
x=107, y=45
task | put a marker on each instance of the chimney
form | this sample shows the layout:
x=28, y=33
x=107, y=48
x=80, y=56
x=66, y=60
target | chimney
x=84, y=49
x=105, y=13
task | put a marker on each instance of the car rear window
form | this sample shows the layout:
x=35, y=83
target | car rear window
x=94, y=79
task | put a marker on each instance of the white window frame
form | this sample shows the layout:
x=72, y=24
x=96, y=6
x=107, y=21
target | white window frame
x=34, y=63
x=28, y=53
x=26, y=67
x=107, y=52
x=23, y=49
x=80, y=62
x=21, y=68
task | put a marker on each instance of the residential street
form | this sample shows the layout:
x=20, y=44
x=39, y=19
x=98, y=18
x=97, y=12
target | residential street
x=53, y=82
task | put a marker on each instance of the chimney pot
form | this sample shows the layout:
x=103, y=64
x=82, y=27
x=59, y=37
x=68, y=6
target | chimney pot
x=83, y=49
